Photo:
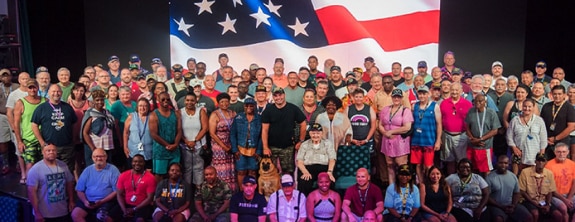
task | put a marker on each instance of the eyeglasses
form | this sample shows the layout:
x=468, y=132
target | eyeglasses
x=32, y=87
x=100, y=156
x=164, y=99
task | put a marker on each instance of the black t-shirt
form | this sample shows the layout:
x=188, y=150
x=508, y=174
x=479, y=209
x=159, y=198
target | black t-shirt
x=565, y=115
x=333, y=88
x=282, y=124
x=399, y=81
x=56, y=122
x=248, y=210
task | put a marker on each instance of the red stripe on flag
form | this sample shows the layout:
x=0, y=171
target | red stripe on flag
x=392, y=33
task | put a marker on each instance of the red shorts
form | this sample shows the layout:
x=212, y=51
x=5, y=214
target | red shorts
x=481, y=159
x=422, y=154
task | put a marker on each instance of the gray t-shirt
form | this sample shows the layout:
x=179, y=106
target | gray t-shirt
x=51, y=183
x=502, y=187
x=294, y=96
x=475, y=121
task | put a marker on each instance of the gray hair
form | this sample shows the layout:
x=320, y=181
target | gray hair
x=479, y=76
x=512, y=77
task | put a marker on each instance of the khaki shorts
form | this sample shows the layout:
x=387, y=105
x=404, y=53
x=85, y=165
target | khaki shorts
x=454, y=148
x=5, y=130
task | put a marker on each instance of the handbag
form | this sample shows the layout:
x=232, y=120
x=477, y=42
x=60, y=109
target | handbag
x=410, y=131
x=206, y=154
x=246, y=151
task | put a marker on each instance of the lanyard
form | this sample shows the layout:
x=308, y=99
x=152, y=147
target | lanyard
x=404, y=199
x=142, y=130
x=555, y=112
x=173, y=194
x=262, y=109
x=58, y=111
x=362, y=199
x=464, y=184
x=527, y=123
x=539, y=182
x=482, y=123
x=422, y=111
x=135, y=186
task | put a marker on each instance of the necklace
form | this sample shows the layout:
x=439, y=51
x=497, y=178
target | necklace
x=190, y=113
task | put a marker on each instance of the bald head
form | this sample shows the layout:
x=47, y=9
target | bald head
x=23, y=78
x=210, y=169
x=98, y=151
x=362, y=170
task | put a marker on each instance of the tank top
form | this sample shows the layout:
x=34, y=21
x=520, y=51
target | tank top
x=513, y=112
x=424, y=125
x=191, y=126
x=26, y=120
x=324, y=210
x=139, y=133
x=360, y=121
x=166, y=130
x=436, y=201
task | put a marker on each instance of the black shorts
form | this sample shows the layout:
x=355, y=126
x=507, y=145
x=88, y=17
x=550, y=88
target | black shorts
x=531, y=207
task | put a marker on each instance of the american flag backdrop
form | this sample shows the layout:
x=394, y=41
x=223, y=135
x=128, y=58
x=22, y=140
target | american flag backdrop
x=345, y=30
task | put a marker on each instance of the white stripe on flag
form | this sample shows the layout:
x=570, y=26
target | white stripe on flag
x=364, y=10
x=346, y=55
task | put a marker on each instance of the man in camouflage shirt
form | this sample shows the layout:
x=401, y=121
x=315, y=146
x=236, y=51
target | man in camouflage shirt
x=212, y=199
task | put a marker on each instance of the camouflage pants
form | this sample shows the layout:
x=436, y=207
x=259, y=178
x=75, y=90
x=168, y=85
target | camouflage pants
x=286, y=158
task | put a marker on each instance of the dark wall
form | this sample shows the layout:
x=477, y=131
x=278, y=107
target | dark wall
x=127, y=27
x=518, y=33
x=57, y=35
x=550, y=36
x=481, y=32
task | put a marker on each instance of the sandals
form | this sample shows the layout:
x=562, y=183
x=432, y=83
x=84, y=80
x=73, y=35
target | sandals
x=23, y=180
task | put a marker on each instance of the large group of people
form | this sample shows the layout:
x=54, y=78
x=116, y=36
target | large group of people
x=177, y=143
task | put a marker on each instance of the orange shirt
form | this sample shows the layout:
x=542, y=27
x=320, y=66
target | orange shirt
x=280, y=81
x=563, y=173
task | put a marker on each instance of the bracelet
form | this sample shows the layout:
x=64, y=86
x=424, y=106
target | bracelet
x=330, y=171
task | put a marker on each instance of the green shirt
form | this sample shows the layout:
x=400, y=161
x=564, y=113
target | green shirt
x=28, y=136
x=213, y=198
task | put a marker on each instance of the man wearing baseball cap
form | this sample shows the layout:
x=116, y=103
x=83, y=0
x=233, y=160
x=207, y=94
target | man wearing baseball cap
x=248, y=205
x=114, y=69
x=422, y=71
x=292, y=202
x=540, y=76
x=135, y=59
x=497, y=72
x=278, y=130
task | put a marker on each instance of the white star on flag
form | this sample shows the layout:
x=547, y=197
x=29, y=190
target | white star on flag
x=205, y=6
x=273, y=8
x=182, y=26
x=299, y=28
x=238, y=2
x=228, y=24
x=260, y=17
